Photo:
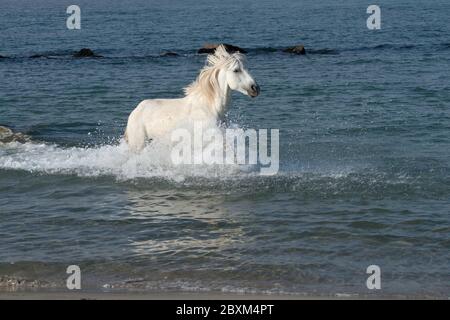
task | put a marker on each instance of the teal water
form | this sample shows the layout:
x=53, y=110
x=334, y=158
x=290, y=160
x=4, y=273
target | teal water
x=364, y=149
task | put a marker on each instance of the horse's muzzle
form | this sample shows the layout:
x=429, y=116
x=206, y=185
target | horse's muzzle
x=254, y=90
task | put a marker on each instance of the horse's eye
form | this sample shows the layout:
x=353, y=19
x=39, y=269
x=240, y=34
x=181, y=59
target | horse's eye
x=236, y=70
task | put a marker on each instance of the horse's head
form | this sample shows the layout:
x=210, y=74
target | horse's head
x=235, y=72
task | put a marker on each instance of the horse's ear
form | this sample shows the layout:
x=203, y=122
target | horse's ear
x=221, y=52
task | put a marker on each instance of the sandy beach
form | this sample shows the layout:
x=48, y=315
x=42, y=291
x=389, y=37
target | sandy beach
x=183, y=296
x=30, y=295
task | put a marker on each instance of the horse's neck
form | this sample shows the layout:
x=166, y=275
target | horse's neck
x=218, y=106
x=223, y=100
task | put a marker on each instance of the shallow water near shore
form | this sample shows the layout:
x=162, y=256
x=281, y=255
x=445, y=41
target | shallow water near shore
x=364, y=150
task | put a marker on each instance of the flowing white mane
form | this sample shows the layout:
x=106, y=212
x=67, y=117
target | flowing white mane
x=206, y=86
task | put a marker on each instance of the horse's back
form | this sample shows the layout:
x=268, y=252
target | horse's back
x=156, y=116
x=161, y=105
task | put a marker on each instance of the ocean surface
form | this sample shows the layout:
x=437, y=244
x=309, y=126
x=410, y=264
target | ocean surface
x=364, y=177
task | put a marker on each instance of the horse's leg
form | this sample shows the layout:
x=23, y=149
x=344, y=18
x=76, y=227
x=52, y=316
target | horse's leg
x=135, y=137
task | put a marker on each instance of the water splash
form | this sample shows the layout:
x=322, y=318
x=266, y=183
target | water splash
x=19, y=152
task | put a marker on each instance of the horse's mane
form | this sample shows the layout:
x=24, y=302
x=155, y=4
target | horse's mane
x=206, y=85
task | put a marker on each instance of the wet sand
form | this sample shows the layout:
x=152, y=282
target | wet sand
x=80, y=295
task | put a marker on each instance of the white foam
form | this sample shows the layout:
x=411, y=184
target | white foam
x=109, y=160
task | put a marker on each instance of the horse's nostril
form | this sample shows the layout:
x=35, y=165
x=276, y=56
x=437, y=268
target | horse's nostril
x=255, y=88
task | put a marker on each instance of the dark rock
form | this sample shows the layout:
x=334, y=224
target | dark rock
x=7, y=135
x=86, y=52
x=211, y=47
x=2, y=57
x=36, y=56
x=169, y=54
x=298, y=49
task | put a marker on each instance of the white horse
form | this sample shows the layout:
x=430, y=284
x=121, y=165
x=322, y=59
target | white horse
x=205, y=100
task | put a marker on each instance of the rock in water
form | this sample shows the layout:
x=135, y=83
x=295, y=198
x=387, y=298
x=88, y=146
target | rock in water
x=86, y=52
x=211, y=47
x=7, y=135
x=298, y=49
